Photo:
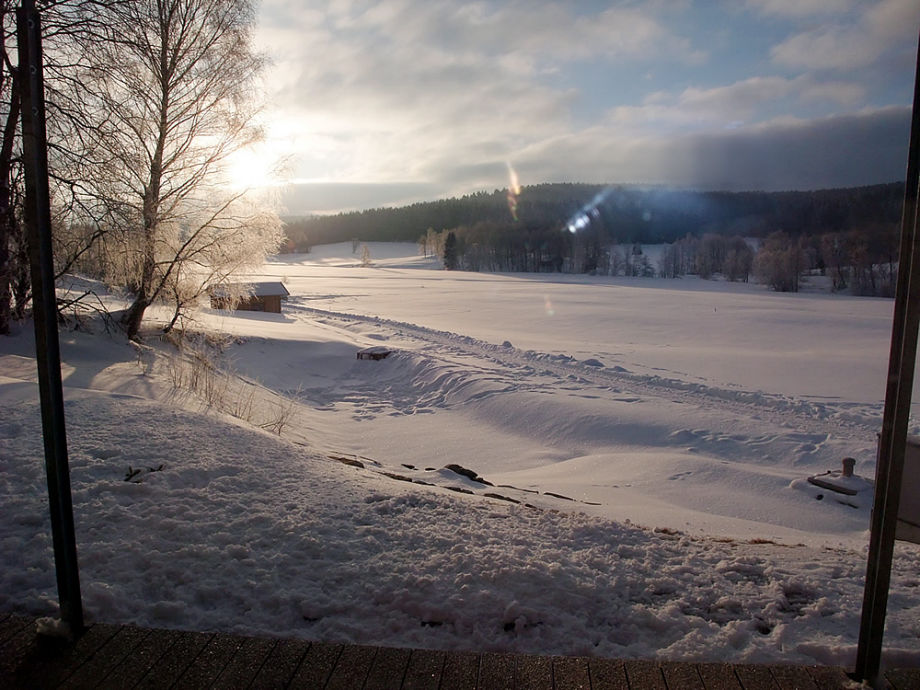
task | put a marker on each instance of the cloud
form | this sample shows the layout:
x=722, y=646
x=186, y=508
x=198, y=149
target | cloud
x=543, y=31
x=412, y=86
x=800, y=8
x=403, y=100
x=878, y=30
x=838, y=151
x=744, y=101
x=311, y=198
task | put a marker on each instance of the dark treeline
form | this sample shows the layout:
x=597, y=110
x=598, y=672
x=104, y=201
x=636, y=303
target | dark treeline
x=622, y=214
x=778, y=238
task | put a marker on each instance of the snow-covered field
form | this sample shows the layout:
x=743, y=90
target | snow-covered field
x=638, y=450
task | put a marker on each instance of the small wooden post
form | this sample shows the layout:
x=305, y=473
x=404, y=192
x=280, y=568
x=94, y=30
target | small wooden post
x=848, y=465
x=44, y=309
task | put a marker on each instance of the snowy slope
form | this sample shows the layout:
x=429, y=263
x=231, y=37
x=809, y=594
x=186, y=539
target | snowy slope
x=628, y=511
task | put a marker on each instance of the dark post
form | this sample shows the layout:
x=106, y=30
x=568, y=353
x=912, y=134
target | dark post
x=893, y=439
x=44, y=307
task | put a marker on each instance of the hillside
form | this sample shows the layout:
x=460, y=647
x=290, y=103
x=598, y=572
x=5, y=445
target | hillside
x=627, y=214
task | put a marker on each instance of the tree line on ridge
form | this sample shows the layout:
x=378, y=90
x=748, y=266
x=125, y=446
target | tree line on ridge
x=849, y=234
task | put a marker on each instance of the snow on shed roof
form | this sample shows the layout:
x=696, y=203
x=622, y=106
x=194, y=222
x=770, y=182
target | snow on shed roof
x=260, y=289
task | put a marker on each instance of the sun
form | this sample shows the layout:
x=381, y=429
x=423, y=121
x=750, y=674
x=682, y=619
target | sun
x=252, y=169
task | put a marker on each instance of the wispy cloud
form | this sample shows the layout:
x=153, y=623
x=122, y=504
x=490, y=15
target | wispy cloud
x=801, y=8
x=743, y=102
x=877, y=31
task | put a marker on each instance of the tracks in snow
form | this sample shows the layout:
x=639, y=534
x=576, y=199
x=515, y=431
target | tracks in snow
x=834, y=420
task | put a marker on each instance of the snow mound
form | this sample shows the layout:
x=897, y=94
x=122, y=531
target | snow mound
x=222, y=536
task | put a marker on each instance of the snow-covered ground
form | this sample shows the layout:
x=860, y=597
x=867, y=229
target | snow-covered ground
x=634, y=455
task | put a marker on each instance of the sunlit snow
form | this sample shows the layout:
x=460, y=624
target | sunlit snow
x=634, y=458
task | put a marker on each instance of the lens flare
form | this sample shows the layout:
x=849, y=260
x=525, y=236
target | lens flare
x=514, y=191
x=548, y=305
x=582, y=218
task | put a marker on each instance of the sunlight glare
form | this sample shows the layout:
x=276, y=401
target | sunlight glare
x=251, y=169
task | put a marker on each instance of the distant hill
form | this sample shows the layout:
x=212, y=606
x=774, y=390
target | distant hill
x=625, y=214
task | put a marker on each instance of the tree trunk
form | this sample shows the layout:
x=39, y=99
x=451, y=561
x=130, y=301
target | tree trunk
x=146, y=293
x=21, y=273
x=6, y=273
x=135, y=315
x=7, y=228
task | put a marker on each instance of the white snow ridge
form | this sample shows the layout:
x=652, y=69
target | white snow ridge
x=622, y=478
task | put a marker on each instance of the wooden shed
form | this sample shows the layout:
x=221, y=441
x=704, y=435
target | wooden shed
x=264, y=296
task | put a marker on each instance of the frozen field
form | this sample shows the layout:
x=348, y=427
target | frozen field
x=685, y=404
x=639, y=447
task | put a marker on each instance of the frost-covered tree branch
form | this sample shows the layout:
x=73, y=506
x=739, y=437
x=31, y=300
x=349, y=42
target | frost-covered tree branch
x=169, y=93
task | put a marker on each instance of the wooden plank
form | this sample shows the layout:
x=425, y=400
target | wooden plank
x=831, y=486
x=571, y=673
x=534, y=672
x=903, y=678
x=132, y=668
x=461, y=671
x=644, y=674
x=20, y=653
x=754, y=677
x=245, y=664
x=681, y=675
x=388, y=669
x=173, y=663
x=316, y=665
x=829, y=677
x=122, y=656
x=210, y=662
x=18, y=648
x=281, y=665
x=55, y=660
x=12, y=624
x=496, y=671
x=792, y=677
x=424, y=670
x=607, y=674
x=125, y=641
x=352, y=668
x=718, y=676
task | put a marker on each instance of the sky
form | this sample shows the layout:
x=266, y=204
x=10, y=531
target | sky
x=386, y=103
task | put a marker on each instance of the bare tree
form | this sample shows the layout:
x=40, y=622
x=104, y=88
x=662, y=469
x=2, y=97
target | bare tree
x=739, y=260
x=710, y=255
x=168, y=91
x=9, y=93
x=780, y=262
x=14, y=263
x=66, y=26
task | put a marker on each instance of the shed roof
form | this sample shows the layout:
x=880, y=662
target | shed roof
x=259, y=289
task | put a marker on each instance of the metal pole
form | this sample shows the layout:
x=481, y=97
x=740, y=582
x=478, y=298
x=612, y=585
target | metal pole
x=44, y=307
x=893, y=440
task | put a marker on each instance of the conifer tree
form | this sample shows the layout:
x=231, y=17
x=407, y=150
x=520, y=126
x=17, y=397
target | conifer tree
x=450, y=252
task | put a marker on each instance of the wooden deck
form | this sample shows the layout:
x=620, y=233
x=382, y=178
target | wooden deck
x=124, y=656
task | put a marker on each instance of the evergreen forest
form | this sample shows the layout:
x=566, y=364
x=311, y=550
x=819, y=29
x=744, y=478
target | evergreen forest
x=776, y=237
